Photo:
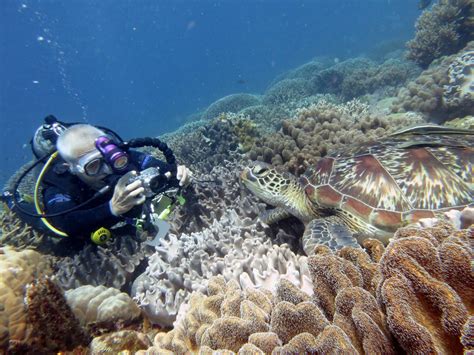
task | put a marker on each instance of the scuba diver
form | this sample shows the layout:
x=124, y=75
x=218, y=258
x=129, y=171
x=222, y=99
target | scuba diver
x=91, y=180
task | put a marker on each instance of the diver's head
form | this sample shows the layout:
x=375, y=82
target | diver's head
x=76, y=145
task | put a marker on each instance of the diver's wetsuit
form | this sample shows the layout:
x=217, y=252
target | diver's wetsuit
x=63, y=190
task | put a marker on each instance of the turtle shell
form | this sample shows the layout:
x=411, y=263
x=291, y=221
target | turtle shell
x=397, y=180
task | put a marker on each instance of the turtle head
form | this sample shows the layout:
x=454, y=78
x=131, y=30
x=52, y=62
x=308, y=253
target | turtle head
x=276, y=188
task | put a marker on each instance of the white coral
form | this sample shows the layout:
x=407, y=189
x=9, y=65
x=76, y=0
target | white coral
x=234, y=247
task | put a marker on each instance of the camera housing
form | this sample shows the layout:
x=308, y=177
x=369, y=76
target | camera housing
x=152, y=180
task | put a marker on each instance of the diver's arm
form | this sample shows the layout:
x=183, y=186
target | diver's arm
x=78, y=223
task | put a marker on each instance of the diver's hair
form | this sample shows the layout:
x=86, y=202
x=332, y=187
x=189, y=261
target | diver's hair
x=77, y=140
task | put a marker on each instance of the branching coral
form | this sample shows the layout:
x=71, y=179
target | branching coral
x=18, y=234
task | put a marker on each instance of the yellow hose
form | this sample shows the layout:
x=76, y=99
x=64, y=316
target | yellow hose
x=36, y=196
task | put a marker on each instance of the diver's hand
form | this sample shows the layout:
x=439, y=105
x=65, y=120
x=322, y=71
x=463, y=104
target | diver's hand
x=126, y=196
x=184, y=175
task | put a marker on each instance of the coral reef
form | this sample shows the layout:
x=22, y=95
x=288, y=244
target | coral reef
x=324, y=128
x=17, y=269
x=16, y=233
x=101, y=305
x=207, y=202
x=219, y=140
x=442, y=30
x=286, y=91
x=110, y=266
x=443, y=91
x=128, y=341
x=51, y=325
x=460, y=89
x=414, y=297
x=234, y=247
x=366, y=80
x=231, y=103
x=427, y=287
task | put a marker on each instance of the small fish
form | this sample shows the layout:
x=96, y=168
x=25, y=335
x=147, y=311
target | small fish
x=423, y=4
x=241, y=81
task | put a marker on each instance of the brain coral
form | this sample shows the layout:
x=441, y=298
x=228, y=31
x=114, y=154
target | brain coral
x=413, y=297
x=323, y=128
x=17, y=269
x=99, y=304
x=442, y=30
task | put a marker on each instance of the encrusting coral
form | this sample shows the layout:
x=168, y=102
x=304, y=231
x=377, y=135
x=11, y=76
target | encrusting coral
x=415, y=297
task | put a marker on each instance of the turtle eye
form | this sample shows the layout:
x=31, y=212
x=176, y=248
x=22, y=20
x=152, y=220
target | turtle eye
x=259, y=169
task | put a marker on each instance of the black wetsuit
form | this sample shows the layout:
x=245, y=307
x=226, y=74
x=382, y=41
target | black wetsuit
x=63, y=190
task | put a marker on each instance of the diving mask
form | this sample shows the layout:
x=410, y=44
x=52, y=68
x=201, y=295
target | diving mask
x=92, y=164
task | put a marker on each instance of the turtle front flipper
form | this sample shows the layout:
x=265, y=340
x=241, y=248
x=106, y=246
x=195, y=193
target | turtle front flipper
x=330, y=231
x=274, y=215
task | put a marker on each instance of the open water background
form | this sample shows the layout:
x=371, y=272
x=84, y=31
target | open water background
x=142, y=67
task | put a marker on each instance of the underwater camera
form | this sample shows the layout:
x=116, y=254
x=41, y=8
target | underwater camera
x=153, y=181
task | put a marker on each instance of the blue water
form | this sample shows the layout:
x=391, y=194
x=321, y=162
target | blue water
x=141, y=67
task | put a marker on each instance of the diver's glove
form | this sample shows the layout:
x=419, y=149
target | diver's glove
x=126, y=196
x=184, y=175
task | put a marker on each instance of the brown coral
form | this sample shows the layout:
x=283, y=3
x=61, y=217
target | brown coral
x=441, y=30
x=321, y=129
x=439, y=92
x=51, y=325
x=423, y=284
x=423, y=312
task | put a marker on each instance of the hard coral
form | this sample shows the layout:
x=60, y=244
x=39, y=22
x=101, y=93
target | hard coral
x=17, y=269
x=443, y=91
x=51, y=325
x=18, y=234
x=103, y=306
x=321, y=129
x=442, y=30
x=231, y=103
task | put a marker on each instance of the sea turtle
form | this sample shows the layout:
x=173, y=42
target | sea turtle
x=373, y=189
